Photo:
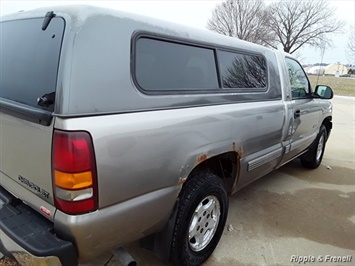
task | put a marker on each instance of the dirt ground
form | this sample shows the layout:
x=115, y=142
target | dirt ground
x=292, y=213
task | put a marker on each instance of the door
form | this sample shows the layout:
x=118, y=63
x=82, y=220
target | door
x=303, y=125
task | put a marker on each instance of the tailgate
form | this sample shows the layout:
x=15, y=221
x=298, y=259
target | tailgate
x=28, y=78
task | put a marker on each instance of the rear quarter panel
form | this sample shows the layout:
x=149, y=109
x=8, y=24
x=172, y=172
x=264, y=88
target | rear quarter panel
x=141, y=152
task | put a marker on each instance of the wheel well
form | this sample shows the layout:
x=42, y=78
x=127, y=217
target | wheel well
x=327, y=122
x=224, y=165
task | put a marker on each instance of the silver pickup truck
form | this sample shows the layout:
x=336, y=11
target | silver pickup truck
x=116, y=127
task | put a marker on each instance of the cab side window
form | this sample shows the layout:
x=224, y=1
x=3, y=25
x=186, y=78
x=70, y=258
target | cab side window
x=298, y=79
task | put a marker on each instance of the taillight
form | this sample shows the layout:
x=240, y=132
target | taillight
x=74, y=172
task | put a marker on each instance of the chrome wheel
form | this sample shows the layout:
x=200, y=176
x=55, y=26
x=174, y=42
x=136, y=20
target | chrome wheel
x=320, y=147
x=201, y=215
x=204, y=223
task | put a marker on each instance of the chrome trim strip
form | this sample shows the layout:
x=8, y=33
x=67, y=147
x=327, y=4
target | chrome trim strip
x=264, y=159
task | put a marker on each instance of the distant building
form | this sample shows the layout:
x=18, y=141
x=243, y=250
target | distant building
x=315, y=70
x=306, y=68
x=335, y=69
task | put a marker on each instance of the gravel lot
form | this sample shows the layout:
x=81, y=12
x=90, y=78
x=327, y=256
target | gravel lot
x=291, y=212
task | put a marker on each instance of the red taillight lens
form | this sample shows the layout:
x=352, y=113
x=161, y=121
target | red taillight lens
x=74, y=172
x=71, y=151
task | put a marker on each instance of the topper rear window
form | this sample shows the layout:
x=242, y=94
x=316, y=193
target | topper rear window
x=29, y=59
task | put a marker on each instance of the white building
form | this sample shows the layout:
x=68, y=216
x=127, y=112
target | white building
x=316, y=70
x=335, y=69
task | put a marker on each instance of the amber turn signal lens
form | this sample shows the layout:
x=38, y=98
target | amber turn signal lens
x=72, y=181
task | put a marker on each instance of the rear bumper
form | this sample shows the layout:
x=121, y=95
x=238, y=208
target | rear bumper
x=28, y=237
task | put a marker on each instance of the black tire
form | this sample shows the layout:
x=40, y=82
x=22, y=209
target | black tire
x=313, y=158
x=201, y=191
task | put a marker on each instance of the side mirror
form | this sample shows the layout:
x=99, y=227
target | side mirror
x=324, y=92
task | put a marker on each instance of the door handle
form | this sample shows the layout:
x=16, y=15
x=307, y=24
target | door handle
x=297, y=114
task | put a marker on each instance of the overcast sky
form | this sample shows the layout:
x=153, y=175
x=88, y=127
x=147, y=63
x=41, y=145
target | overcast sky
x=196, y=14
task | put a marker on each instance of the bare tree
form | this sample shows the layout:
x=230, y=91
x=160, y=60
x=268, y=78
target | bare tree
x=298, y=22
x=351, y=45
x=244, y=19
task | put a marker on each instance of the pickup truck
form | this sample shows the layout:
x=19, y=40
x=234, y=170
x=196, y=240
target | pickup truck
x=116, y=127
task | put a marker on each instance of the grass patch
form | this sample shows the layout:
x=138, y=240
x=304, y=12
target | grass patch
x=341, y=86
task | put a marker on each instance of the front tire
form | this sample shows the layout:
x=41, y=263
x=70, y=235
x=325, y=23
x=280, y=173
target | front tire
x=201, y=217
x=313, y=158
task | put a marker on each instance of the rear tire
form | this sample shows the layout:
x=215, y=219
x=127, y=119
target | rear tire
x=313, y=158
x=201, y=217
